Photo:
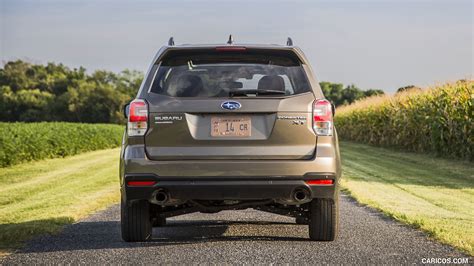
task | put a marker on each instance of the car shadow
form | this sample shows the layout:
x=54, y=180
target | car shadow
x=106, y=235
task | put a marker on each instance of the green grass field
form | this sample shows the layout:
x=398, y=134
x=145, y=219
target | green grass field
x=429, y=193
x=41, y=197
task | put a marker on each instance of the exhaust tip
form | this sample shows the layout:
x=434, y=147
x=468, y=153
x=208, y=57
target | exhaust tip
x=161, y=197
x=301, y=195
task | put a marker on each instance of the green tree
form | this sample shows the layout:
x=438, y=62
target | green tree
x=54, y=92
x=338, y=95
x=7, y=104
x=408, y=88
x=372, y=92
x=33, y=105
x=17, y=75
x=92, y=103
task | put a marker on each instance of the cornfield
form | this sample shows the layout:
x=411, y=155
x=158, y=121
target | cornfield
x=439, y=120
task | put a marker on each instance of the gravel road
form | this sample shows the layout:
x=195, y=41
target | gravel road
x=245, y=236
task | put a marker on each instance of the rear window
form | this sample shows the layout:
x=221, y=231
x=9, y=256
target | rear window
x=223, y=74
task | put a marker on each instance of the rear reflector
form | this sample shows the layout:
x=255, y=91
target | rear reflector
x=140, y=183
x=320, y=182
x=230, y=49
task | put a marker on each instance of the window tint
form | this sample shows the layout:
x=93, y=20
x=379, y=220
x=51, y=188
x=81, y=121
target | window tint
x=214, y=74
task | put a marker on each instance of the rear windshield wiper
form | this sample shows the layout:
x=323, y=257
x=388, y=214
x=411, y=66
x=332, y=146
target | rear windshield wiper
x=256, y=92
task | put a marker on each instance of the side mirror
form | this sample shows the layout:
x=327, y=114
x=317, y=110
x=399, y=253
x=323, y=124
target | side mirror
x=126, y=110
x=333, y=109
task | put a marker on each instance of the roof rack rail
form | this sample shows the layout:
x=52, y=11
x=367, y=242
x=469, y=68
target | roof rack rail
x=171, y=41
x=231, y=40
x=289, y=42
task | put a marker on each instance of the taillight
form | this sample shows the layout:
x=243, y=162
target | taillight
x=322, y=117
x=137, y=118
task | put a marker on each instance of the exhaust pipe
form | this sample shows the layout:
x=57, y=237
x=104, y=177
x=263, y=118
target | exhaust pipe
x=301, y=195
x=162, y=197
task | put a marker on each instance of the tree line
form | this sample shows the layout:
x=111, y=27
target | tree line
x=340, y=95
x=54, y=92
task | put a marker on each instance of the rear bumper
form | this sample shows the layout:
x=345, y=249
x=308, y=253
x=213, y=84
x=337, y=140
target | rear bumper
x=326, y=160
x=229, y=188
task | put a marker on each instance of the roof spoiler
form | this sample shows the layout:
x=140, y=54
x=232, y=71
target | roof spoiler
x=289, y=41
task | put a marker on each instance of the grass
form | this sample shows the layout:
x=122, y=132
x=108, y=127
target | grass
x=433, y=194
x=41, y=197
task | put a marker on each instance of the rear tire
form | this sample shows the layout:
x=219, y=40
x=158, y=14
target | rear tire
x=324, y=219
x=135, y=221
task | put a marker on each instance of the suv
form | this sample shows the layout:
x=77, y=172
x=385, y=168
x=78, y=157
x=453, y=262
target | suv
x=229, y=127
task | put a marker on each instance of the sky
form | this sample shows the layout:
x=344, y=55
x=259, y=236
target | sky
x=384, y=44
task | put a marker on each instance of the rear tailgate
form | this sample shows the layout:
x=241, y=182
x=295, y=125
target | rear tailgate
x=263, y=128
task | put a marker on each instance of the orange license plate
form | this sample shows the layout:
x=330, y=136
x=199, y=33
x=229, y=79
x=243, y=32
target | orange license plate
x=231, y=126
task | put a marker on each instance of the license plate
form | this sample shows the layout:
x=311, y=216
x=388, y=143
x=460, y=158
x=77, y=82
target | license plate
x=231, y=126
